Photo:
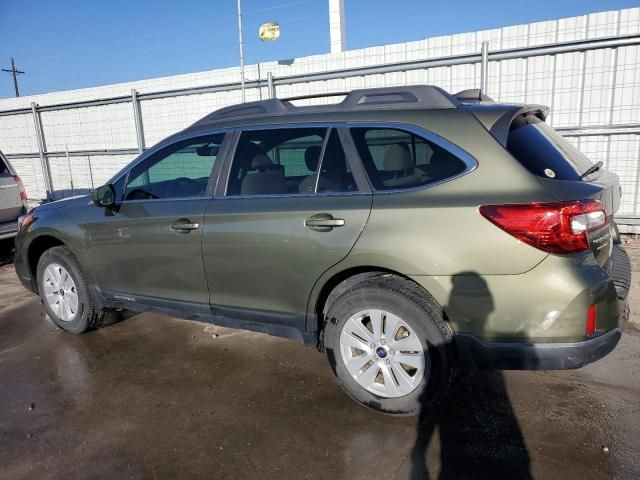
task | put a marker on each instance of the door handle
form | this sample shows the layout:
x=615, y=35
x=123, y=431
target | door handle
x=184, y=226
x=323, y=222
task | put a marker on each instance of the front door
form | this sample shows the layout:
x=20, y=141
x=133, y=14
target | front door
x=149, y=249
x=292, y=210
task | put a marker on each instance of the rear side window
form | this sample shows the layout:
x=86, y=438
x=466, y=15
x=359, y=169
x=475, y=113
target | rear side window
x=276, y=161
x=289, y=161
x=397, y=159
x=543, y=151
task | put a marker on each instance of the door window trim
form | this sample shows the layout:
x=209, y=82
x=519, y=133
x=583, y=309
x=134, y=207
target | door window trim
x=316, y=175
x=353, y=158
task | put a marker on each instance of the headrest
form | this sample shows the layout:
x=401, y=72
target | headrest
x=441, y=165
x=312, y=157
x=260, y=160
x=250, y=150
x=397, y=158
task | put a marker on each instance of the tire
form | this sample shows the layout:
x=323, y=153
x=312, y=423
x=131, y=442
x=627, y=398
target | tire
x=423, y=331
x=77, y=318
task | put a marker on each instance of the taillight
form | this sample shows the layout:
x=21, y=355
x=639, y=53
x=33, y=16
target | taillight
x=558, y=227
x=23, y=193
x=591, y=319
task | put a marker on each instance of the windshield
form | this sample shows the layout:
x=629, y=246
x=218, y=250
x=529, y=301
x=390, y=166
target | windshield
x=543, y=151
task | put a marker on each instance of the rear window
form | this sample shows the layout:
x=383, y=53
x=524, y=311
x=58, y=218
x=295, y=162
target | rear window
x=396, y=159
x=543, y=151
x=4, y=168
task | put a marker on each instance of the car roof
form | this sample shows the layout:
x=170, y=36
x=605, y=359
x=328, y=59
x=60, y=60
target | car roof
x=418, y=96
x=494, y=116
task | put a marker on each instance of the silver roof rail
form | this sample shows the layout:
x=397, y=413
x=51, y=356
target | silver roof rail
x=415, y=96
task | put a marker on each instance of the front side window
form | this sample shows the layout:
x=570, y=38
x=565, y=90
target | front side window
x=288, y=161
x=181, y=170
x=397, y=159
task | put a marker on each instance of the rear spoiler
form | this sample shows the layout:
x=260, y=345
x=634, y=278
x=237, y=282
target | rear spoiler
x=498, y=117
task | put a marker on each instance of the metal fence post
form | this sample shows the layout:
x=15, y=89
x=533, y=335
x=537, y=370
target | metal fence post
x=90, y=172
x=484, y=68
x=137, y=117
x=66, y=150
x=259, y=81
x=44, y=161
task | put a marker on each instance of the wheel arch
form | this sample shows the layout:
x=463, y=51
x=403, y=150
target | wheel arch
x=338, y=283
x=36, y=248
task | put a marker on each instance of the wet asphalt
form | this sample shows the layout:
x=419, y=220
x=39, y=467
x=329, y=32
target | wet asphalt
x=157, y=397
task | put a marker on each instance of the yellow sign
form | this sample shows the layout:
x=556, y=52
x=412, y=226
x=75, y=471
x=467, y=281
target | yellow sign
x=269, y=31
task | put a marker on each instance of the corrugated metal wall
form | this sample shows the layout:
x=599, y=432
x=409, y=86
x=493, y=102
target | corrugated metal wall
x=590, y=91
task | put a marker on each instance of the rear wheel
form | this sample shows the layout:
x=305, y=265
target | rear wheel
x=389, y=346
x=64, y=293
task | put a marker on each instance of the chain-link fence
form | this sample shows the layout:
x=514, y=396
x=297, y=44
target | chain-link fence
x=587, y=69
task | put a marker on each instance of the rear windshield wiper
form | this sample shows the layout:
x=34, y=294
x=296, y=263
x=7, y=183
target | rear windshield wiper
x=593, y=168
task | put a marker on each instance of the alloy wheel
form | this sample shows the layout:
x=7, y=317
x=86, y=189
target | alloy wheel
x=383, y=353
x=60, y=292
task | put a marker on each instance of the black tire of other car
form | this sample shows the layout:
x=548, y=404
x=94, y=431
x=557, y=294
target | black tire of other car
x=87, y=316
x=422, y=313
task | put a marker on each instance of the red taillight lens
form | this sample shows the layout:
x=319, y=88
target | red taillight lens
x=591, y=319
x=558, y=227
x=23, y=193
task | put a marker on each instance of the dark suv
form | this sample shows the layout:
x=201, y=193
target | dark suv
x=403, y=231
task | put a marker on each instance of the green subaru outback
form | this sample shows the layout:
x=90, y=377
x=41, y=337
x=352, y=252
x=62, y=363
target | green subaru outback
x=405, y=232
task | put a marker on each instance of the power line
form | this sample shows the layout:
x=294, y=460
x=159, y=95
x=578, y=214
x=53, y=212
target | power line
x=15, y=74
x=279, y=6
x=117, y=43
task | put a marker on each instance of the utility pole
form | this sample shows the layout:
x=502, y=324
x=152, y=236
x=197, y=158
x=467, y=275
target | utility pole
x=15, y=74
x=241, y=50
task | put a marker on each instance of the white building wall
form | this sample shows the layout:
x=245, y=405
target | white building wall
x=592, y=88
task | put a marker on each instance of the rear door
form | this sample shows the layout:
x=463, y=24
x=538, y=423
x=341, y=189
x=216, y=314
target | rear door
x=10, y=202
x=293, y=208
x=561, y=168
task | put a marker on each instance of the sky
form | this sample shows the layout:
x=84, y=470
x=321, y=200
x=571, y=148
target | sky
x=67, y=44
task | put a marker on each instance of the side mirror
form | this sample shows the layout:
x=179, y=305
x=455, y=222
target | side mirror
x=104, y=196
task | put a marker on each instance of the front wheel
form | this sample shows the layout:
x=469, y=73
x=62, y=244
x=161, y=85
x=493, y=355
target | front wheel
x=64, y=293
x=389, y=346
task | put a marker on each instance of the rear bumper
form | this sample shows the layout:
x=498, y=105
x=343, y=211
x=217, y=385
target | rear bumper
x=479, y=354
x=619, y=270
